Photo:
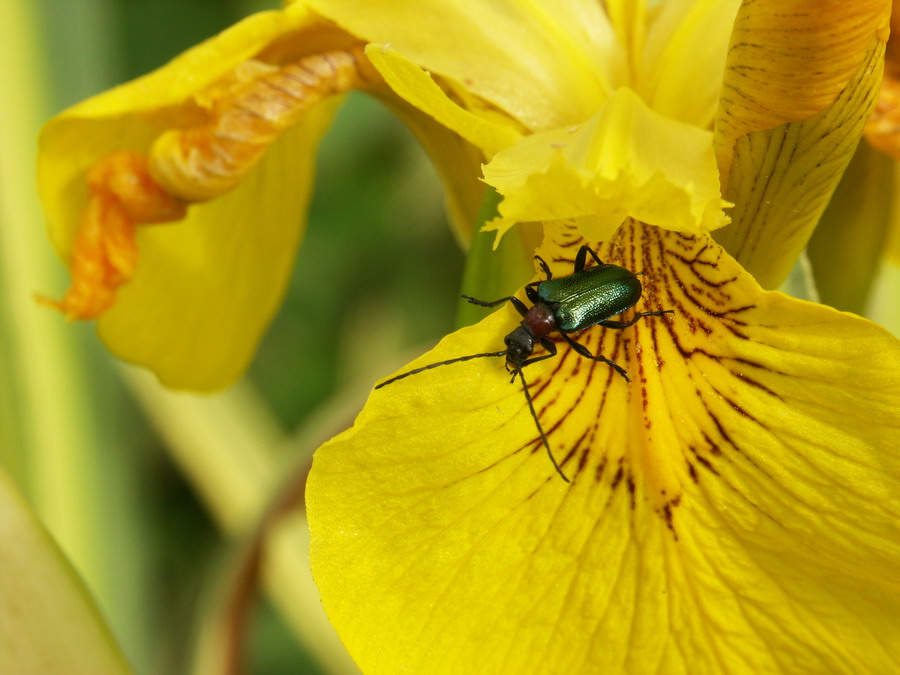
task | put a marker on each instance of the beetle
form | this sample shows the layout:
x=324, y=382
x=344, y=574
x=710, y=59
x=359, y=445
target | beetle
x=589, y=296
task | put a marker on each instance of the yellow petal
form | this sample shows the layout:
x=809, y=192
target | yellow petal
x=416, y=87
x=782, y=179
x=789, y=60
x=799, y=86
x=629, y=20
x=733, y=509
x=625, y=161
x=208, y=286
x=680, y=69
x=543, y=68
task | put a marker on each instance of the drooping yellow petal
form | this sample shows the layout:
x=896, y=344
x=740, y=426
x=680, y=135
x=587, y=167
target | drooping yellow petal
x=733, y=509
x=625, y=161
x=800, y=82
x=131, y=115
x=544, y=67
x=208, y=286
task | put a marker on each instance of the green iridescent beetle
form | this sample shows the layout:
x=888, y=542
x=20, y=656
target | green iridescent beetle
x=590, y=296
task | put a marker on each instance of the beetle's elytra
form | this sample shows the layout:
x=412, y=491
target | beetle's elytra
x=590, y=296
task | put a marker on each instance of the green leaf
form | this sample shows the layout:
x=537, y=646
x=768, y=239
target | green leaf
x=50, y=622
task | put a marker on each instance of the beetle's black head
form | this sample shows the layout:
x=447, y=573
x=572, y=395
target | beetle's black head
x=520, y=345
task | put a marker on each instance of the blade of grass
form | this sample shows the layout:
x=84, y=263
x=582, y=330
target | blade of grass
x=61, y=449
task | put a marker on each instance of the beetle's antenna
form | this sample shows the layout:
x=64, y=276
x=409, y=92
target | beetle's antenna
x=439, y=363
x=539, y=427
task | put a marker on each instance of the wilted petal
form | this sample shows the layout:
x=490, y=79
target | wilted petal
x=209, y=285
x=205, y=285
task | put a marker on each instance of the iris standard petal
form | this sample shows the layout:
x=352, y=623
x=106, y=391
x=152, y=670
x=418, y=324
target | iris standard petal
x=800, y=82
x=679, y=72
x=543, y=67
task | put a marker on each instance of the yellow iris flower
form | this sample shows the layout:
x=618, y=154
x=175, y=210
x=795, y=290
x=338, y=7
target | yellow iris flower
x=734, y=508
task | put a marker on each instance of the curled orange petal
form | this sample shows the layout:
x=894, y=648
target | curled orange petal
x=249, y=110
x=104, y=255
x=203, y=162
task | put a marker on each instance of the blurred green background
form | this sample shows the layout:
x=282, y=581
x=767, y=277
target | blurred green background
x=155, y=496
x=115, y=469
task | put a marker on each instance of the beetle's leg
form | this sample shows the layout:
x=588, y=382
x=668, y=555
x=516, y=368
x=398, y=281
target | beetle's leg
x=544, y=267
x=581, y=258
x=531, y=291
x=634, y=319
x=518, y=304
x=583, y=351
